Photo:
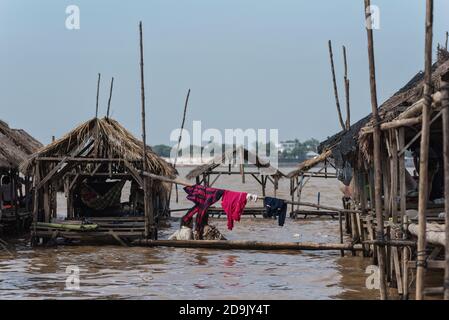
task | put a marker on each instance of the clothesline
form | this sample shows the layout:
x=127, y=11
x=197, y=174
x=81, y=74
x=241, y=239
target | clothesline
x=305, y=204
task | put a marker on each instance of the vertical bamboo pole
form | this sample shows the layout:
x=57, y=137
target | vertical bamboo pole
x=348, y=106
x=424, y=155
x=377, y=155
x=149, y=217
x=394, y=176
x=110, y=96
x=178, y=145
x=334, y=80
x=402, y=173
x=340, y=223
x=98, y=94
x=445, y=104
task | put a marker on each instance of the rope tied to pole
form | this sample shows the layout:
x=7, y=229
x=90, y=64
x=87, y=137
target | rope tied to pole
x=422, y=263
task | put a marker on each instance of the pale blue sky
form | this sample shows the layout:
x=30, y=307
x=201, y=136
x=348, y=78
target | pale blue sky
x=250, y=63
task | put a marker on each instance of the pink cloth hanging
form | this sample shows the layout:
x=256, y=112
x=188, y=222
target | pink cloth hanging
x=233, y=204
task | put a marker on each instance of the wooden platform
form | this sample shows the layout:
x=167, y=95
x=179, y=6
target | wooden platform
x=122, y=230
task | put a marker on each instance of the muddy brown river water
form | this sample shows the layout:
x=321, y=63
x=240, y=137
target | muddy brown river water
x=114, y=272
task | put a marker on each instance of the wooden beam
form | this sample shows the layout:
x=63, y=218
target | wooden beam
x=52, y=173
x=416, y=137
x=134, y=173
x=247, y=245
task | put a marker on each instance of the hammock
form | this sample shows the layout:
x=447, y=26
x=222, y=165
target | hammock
x=96, y=201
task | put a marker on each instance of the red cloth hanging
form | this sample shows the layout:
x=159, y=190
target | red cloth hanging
x=233, y=204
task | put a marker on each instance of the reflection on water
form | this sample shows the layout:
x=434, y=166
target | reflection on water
x=115, y=272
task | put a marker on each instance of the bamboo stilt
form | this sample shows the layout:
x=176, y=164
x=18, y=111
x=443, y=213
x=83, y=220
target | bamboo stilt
x=377, y=155
x=150, y=230
x=424, y=156
x=445, y=91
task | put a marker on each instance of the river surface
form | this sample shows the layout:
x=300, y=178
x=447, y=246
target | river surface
x=114, y=272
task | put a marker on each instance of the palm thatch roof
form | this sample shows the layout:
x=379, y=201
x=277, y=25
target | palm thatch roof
x=233, y=156
x=404, y=99
x=310, y=163
x=101, y=138
x=16, y=145
x=347, y=143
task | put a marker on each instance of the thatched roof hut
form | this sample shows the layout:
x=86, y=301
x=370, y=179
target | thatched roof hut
x=101, y=138
x=92, y=163
x=355, y=145
x=309, y=164
x=239, y=155
x=401, y=103
x=16, y=145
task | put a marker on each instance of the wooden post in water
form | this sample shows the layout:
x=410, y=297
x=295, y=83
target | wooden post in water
x=377, y=155
x=110, y=96
x=424, y=156
x=150, y=229
x=98, y=94
x=445, y=104
x=334, y=80
x=348, y=106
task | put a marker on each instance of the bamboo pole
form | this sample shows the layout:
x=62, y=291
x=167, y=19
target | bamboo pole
x=334, y=80
x=377, y=155
x=247, y=245
x=179, y=143
x=424, y=156
x=445, y=90
x=346, y=79
x=110, y=96
x=98, y=95
x=150, y=229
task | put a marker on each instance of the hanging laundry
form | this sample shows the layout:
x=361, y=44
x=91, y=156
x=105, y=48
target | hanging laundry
x=203, y=198
x=233, y=204
x=275, y=208
x=251, y=197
